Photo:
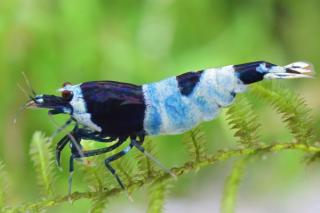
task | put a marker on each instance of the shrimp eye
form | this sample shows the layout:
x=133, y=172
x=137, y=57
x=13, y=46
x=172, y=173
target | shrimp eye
x=67, y=95
x=66, y=84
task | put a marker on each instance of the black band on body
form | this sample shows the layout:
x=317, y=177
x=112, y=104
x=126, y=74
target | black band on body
x=188, y=81
x=248, y=72
x=118, y=108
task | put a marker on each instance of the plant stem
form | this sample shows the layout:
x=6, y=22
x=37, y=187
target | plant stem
x=160, y=176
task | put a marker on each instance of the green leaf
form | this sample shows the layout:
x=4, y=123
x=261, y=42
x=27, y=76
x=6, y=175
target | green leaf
x=244, y=122
x=41, y=152
x=293, y=109
x=92, y=173
x=157, y=194
x=98, y=204
x=126, y=168
x=232, y=185
x=196, y=142
x=145, y=166
x=96, y=174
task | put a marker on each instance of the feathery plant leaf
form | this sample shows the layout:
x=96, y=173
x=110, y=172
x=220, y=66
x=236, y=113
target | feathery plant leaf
x=4, y=185
x=98, y=204
x=179, y=171
x=244, y=122
x=98, y=179
x=140, y=171
x=241, y=119
x=41, y=153
x=159, y=189
x=91, y=170
x=145, y=166
x=232, y=185
x=295, y=113
x=94, y=170
x=195, y=142
x=97, y=176
x=126, y=169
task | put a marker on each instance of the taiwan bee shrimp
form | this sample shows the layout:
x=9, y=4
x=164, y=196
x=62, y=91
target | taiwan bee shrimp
x=109, y=111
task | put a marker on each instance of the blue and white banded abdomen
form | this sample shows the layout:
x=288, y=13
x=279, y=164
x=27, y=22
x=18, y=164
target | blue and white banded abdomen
x=171, y=111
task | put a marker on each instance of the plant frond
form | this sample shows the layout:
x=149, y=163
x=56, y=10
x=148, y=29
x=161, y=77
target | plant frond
x=160, y=176
x=98, y=204
x=145, y=166
x=4, y=185
x=126, y=169
x=94, y=170
x=231, y=185
x=92, y=175
x=244, y=122
x=312, y=158
x=158, y=191
x=196, y=144
x=293, y=109
x=41, y=152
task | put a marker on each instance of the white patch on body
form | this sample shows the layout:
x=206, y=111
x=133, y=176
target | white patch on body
x=170, y=112
x=79, y=108
x=39, y=99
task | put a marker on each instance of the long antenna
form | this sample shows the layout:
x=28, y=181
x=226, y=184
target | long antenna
x=24, y=92
x=28, y=83
x=24, y=106
x=18, y=113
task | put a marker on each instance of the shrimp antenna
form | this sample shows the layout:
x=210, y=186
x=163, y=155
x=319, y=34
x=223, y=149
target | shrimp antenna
x=21, y=109
x=25, y=92
x=28, y=83
x=24, y=106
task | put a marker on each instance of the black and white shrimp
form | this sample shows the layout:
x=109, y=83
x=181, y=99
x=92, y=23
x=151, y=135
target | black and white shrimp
x=108, y=111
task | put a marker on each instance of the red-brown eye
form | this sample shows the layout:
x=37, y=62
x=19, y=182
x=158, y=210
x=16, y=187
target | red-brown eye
x=66, y=84
x=67, y=95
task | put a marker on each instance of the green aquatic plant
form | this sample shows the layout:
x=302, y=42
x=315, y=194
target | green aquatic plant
x=137, y=171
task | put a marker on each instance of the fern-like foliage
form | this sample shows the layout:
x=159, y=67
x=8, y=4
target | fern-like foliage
x=244, y=122
x=145, y=166
x=157, y=194
x=232, y=185
x=136, y=170
x=98, y=179
x=98, y=204
x=41, y=153
x=127, y=170
x=195, y=142
x=293, y=109
x=95, y=173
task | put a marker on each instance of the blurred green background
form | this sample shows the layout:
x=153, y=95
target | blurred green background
x=144, y=41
